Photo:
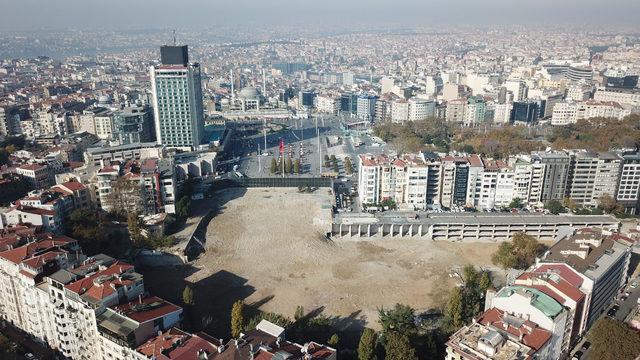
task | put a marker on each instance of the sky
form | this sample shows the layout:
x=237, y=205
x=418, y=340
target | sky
x=198, y=14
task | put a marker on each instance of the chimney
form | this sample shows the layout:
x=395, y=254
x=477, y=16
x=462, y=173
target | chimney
x=278, y=340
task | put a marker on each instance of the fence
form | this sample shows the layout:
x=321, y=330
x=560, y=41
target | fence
x=272, y=182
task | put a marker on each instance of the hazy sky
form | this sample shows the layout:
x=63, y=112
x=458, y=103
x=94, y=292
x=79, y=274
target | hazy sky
x=145, y=14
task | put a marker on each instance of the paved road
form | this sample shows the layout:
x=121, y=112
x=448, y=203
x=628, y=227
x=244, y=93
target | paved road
x=625, y=303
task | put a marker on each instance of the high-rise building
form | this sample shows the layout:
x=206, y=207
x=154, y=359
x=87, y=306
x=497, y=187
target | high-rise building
x=177, y=99
x=629, y=186
x=594, y=175
x=525, y=111
x=366, y=107
x=133, y=125
x=557, y=167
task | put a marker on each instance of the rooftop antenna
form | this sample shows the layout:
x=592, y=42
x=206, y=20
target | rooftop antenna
x=174, y=37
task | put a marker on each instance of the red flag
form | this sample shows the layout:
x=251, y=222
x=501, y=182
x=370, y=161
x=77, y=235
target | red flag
x=281, y=146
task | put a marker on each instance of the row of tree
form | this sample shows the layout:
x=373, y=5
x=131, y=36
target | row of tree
x=290, y=166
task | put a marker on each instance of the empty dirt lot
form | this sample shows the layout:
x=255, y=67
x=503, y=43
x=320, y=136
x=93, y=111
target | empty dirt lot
x=266, y=246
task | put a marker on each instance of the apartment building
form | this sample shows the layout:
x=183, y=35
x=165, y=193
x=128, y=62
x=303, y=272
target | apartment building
x=601, y=261
x=570, y=113
x=594, y=175
x=411, y=181
x=629, y=186
x=557, y=165
x=328, y=104
x=496, y=334
x=456, y=110
x=38, y=175
x=538, y=307
x=454, y=179
x=618, y=95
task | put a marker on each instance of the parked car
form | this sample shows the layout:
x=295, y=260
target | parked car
x=586, y=345
x=577, y=355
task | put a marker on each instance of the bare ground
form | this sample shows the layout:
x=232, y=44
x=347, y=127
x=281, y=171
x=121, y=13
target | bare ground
x=263, y=247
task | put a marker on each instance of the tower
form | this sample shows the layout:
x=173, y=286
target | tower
x=177, y=99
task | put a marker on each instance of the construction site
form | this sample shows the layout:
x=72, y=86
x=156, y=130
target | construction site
x=268, y=246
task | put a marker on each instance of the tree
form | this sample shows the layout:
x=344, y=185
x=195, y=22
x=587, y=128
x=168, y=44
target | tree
x=183, y=207
x=334, y=340
x=135, y=230
x=613, y=340
x=398, y=347
x=124, y=197
x=520, y=253
x=607, y=203
x=296, y=166
x=348, y=166
x=299, y=314
x=485, y=282
x=399, y=319
x=288, y=166
x=87, y=226
x=187, y=295
x=554, y=206
x=237, y=318
x=367, y=345
x=516, y=203
x=505, y=256
x=454, y=310
x=274, y=166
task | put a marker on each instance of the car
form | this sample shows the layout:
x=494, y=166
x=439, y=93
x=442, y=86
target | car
x=577, y=355
x=626, y=294
x=29, y=356
x=586, y=345
x=634, y=285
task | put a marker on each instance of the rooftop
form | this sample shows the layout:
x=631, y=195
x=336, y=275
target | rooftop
x=589, y=251
x=541, y=301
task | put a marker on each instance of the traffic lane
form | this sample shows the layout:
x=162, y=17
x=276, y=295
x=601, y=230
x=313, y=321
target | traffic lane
x=631, y=301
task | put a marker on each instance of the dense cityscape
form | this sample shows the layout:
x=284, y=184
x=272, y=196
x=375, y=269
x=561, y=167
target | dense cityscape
x=320, y=192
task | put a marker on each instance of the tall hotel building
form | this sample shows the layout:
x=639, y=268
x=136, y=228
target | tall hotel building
x=177, y=99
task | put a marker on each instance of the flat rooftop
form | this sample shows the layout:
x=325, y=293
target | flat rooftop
x=470, y=218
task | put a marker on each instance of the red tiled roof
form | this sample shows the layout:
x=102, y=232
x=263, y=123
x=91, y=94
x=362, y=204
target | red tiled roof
x=32, y=167
x=556, y=282
x=176, y=344
x=564, y=271
x=98, y=291
x=155, y=308
x=532, y=335
x=21, y=253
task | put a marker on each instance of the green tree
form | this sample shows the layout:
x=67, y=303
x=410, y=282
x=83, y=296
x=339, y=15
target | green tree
x=187, y=295
x=516, y=203
x=274, y=166
x=88, y=227
x=485, y=282
x=296, y=166
x=135, y=230
x=348, y=166
x=399, y=319
x=520, y=253
x=237, y=318
x=613, y=340
x=367, y=345
x=299, y=314
x=183, y=207
x=288, y=166
x=333, y=341
x=398, y=347
x=554, y=206
x=454, y=310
